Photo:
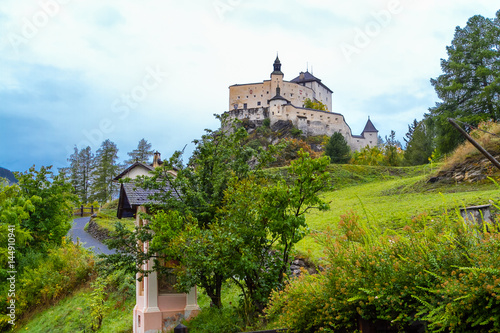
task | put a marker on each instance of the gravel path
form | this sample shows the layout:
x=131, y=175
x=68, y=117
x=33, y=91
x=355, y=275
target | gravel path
x=77, y=232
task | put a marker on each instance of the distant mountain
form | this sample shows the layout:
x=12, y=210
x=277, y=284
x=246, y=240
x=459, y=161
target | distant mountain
x=4, y=173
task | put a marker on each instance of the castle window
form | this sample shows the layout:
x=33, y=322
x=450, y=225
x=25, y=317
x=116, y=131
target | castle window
x=238, y=97
x=247, y=96
x=267, y=93
x=291, y=95
x=261, y=95
x=258, y=103
x=235, y=106
x=253, y=95
x=244, y=105
x=273, y=113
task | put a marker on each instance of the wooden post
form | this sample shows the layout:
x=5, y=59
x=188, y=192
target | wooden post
x=91, y=209
x=81, y=211
x=474, y=143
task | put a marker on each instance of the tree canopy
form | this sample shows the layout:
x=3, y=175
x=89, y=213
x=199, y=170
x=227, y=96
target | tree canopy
x=142, y=153
x=222, y=217
x=469, y=87
x=337, y=149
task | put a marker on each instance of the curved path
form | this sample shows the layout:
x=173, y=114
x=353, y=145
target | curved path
x=77, y=233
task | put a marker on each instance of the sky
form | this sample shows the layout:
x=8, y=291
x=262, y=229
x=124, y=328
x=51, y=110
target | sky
x=78, y=72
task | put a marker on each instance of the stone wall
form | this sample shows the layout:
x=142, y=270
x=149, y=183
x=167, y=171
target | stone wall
x=310, y=122
x=96, y=231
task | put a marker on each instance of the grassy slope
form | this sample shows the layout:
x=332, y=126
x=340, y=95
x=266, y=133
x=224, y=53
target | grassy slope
x=69, y=315
x=389, y=197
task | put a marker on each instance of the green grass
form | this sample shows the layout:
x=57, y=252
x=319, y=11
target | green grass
x=394, y=196
x=70, y=315
x=106, y=218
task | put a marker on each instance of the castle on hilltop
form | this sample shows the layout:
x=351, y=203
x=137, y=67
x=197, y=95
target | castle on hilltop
x=283, y=101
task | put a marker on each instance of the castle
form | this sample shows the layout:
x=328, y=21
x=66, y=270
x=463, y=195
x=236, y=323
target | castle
x=281, y=100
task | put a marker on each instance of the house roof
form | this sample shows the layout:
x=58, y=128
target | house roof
x=308, y=77
x=132, y=196
x=369, y=127
x=135, y=165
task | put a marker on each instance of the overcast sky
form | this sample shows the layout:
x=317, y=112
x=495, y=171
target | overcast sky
x=75, y=72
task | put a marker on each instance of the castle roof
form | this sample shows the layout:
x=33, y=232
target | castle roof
x=369, y=127
x=277, y=67
x=308, y=77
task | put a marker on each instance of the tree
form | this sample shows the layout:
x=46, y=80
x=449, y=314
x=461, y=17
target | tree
x=470, y=84
x=80, y=172
x=106, y=168
x=50, y=205
x=317, y=105
x=393, y=151
x=337, y=149
x=222, y=219
x=419, y=145
x=142, y=154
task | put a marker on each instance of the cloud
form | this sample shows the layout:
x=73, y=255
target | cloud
x=70, y=81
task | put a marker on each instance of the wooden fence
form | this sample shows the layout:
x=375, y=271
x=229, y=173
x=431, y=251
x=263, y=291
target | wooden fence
x=84, y=211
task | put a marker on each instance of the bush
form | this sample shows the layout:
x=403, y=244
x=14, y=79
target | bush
x=441, y=271
x=48, y=278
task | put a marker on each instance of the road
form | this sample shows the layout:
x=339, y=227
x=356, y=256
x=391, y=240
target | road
x=77, y=232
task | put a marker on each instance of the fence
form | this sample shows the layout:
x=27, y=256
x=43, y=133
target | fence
x=83, y=211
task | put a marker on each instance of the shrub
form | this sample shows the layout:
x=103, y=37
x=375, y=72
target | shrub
x=442, y=271
x=49, y=277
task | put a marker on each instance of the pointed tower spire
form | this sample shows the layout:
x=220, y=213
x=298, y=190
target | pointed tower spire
x=277, y=66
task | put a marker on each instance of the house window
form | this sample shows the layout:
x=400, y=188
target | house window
x=258, y=103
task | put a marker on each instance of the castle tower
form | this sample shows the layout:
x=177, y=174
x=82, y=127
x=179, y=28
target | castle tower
x=276, y=75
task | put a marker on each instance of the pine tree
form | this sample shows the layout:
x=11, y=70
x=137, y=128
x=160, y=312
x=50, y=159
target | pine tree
x=470, y=84
x=337, y=149
x=86, y=158
x=143, y=153
x=106, y=168
x=419, y=144
x=80, y=172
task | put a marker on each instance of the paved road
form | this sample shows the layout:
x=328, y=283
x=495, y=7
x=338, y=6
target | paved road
x=77, y=232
